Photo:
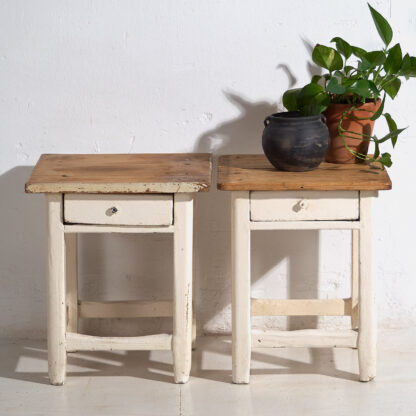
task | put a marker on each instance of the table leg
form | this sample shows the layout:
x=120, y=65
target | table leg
x=56, y=291
x=194, y=251
x=240, y=246
x=355, y=273
x=72, y=281
x=182, y=292
x=367, y=310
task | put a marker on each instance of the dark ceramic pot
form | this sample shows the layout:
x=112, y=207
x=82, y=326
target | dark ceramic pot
x=295, y=143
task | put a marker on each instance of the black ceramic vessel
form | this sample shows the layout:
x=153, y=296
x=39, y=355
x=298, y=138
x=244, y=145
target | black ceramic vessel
x=295, y=143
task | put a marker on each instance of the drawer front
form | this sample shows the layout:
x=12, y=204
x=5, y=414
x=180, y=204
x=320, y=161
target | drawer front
x=118, y=209
x=304, y=205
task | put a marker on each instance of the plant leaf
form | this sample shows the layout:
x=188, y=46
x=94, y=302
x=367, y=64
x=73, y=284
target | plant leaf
x=373, y=87
x=376, y=148
x=392, y=127
x=358, y=52
x=362, y=88
x=382, y=25
x=408, y=68
x=378, y=113
x=385, y=159
x=392, y=87
x=290, y=99
x=390, y=135
x=372, y=59
x=312, y=99
x=327, y=57
x=348, y=69
x=335, y=88
x=316, y=78
x=343, y=47
x=394, y=60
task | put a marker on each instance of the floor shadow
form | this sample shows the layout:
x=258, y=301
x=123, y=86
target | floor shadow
x=137, y=364
x=141, y=364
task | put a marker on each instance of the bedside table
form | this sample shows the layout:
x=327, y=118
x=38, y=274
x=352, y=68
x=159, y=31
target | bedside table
x=116, y=193
x=331, y=197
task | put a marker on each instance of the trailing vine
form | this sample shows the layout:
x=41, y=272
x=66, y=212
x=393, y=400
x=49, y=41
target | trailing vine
x=356, y=76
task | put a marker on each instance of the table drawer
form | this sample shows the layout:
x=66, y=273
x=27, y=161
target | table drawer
x=140, y=209
x=304, y=205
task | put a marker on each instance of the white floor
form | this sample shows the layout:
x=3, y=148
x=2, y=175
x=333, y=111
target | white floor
x=284, y=382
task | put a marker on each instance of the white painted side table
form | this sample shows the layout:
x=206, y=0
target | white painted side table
x=330, y=197
x=134, y=193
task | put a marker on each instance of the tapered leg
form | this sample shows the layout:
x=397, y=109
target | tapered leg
x=367, y=310
x=56, y=291
x=71, y=282
x=355, y=272
x=182, y=292
x=240, y=247
x=193, y=281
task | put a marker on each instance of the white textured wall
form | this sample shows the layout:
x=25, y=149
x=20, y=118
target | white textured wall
x=182, y=76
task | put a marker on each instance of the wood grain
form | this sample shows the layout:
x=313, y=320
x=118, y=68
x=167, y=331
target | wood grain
x=255, y=173
x=121, y=173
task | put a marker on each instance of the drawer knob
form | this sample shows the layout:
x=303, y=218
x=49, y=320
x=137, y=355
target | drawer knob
x=114, y=210
x=300, y=205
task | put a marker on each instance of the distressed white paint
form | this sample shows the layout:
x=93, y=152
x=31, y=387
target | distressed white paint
x=182, y=286
x=303, y=206
x=312, y=338
x=367, y=338
x=241, y=286
x=300, y=307
x=90, y=343
x=56, y=290
x=105, y=229
x=118, y=209
x=176, y=76
x=125, y=309
x=304, y=225
x=71, y=279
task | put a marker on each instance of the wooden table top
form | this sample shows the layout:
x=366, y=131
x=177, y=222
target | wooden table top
x=121, y=173
x=255, y=173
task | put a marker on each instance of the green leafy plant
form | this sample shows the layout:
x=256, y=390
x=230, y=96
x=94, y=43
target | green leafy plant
x=355, y=76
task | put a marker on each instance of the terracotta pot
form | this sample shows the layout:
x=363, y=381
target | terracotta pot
x=337, y=152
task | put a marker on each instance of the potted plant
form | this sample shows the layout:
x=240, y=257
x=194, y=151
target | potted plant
x=353, y=92
x=296, y=141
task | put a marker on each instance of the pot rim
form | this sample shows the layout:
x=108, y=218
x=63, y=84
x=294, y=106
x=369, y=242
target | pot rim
x=361, y=105
x=293, y=116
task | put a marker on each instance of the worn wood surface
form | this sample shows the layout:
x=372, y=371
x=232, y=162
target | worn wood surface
x=255, y=173
x=121, y=173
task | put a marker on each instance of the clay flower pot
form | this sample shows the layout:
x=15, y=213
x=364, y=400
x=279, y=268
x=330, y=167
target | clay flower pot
x=337, y=152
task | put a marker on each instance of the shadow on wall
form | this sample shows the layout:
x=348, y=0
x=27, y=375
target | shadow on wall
x=243, y=135
x=22, y=258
